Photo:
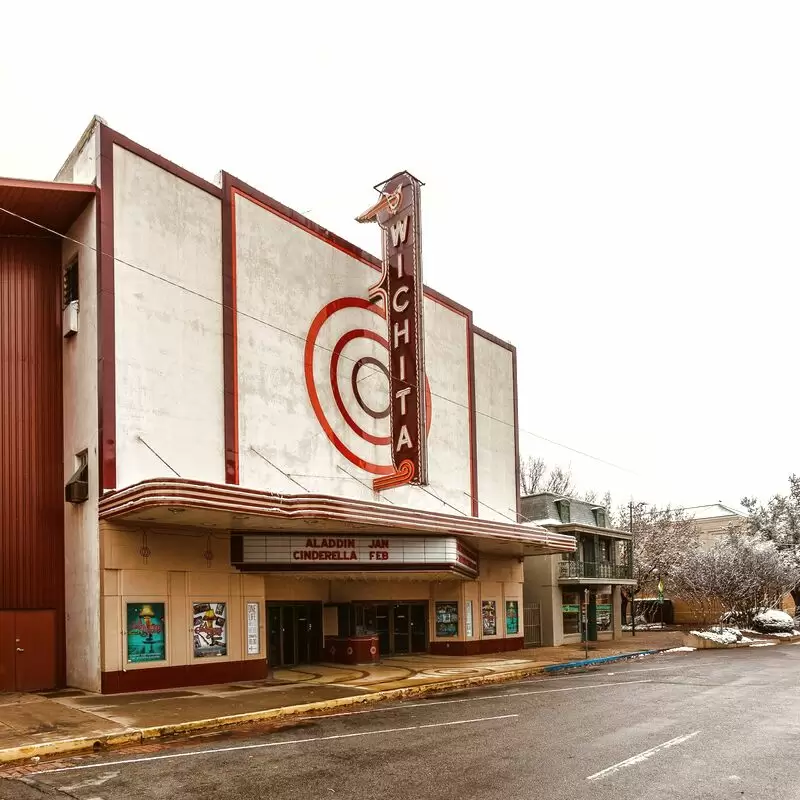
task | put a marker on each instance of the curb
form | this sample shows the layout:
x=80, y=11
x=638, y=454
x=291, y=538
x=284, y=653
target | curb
x=139, y=735
x=588, y=662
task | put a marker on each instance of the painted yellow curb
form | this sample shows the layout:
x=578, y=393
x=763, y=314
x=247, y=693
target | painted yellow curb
x=64, y=746
x=138, y=735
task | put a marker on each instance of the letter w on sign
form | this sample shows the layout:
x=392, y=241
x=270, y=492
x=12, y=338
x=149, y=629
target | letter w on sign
x=400, y=291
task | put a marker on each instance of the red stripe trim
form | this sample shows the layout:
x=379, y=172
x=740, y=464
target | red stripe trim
x=106, y=317
x=218, y=497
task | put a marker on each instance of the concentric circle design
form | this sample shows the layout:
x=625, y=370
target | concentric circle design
x=381, y=367
x=344, y=396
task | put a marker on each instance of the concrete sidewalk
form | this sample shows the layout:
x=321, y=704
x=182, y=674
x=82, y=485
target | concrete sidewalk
x=72, y=720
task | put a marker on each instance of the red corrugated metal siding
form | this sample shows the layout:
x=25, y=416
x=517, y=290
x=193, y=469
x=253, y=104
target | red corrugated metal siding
x=31, y=446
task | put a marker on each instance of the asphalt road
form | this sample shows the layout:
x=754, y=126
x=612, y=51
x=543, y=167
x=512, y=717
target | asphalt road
x=712, y=724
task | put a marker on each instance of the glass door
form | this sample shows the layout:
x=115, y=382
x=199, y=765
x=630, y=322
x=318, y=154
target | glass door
x=289, y=630
x=315, y=633
x=274, y=652
x=303, y=623
x=401, y=619
x=382, y=629
x=419, y=628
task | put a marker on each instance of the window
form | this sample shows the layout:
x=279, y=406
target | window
x=571, y=612
x=621, y=547
x=77, y=488
x=563, y=510
x=604, y=611
x=71, y=283
x=603, y=550
x=600, y=517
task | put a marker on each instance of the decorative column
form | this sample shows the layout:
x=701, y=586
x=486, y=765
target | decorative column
x=616, y=612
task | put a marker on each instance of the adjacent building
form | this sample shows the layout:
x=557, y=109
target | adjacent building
x=232, y=440
x=561, y=589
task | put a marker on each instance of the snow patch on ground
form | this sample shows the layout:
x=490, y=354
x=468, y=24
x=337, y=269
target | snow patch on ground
x=763, y=644
x=722, y=635
x=646, y=626
x=681, y=650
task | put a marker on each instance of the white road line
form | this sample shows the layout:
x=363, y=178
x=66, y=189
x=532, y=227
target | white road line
x=274, y=744
x=478, y=699
x=640, y=757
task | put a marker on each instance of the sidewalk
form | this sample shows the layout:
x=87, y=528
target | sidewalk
x=71, y=719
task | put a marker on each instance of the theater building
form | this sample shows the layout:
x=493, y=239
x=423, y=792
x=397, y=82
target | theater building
x=231, y=440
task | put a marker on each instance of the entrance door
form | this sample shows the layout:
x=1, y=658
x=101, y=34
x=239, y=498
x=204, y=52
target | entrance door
x=275, y=635
x=382, y=624
x=295, y=634
x=27, y=650
x=419, y=624
x=401, y=618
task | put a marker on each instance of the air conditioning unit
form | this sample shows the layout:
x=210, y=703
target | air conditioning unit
x=76, y=492
x=69, y=319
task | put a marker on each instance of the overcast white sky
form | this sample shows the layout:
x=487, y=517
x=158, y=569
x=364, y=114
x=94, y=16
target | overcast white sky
x=614, y=187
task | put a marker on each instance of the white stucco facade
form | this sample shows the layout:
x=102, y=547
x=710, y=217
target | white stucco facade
x=168, y=320
x=284, y=278
x=81, y=540
x=496, y=429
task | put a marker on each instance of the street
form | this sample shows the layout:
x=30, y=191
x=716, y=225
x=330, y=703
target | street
x=706, y=724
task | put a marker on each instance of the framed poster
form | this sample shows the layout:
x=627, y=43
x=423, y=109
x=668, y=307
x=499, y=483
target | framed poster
x=210, y=632
x=512, y=616
x=489, y=617
x=446, y=620
x=146, y=632
x=253, y=643
x=468, y=620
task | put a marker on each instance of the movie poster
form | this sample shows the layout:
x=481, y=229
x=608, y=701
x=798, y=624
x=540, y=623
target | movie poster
x=146, y=633
x=210, y=632
x=253, y=639
x=512, y=616
x=489, y=617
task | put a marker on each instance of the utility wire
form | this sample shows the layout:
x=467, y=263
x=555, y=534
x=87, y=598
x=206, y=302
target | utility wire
x=158, y=456
x=275, y=466
x=302, y=338
x=365, y=484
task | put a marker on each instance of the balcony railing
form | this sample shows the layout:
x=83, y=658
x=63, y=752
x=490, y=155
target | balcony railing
x=593, y=569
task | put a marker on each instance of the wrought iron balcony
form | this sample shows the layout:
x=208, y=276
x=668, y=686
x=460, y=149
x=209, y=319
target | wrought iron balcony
x=593, y=569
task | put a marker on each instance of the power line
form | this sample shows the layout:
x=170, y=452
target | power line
x=365, y=485
x=158, y=456
x=275, y=466
x=304, y=339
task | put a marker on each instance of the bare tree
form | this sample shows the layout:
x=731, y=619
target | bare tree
x=662, y=539
x=531, y=474
x=536, y=477
x=740, y=575
x=779, y=522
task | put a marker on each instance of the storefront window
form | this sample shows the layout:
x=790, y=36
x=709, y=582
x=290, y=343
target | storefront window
x=366, y=620
x=571, y=612
x=489, y=617
x=512, y=616
x=604, y=612
x=147, y=632
x=210, y=629
x=446, y=620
